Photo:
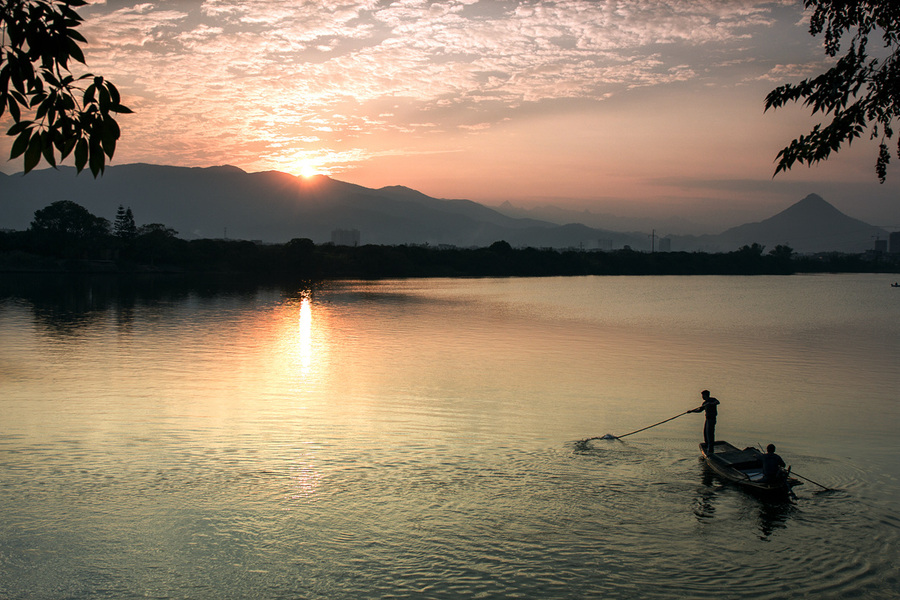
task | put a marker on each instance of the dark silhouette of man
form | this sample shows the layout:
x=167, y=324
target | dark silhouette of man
x=709, y=427
x=772, y=465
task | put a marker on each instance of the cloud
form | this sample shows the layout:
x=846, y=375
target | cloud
x=136, y=26
x=792, y=72
x=251, y=74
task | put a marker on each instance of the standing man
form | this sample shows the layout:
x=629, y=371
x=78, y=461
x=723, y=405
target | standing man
x=709, y=427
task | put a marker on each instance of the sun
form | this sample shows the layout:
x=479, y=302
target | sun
x=307, y=169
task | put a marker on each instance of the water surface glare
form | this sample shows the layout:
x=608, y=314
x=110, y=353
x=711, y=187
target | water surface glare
x=421, y=438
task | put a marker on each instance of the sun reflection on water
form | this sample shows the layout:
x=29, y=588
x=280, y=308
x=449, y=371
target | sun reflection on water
x=304, y=339
x=305, y=479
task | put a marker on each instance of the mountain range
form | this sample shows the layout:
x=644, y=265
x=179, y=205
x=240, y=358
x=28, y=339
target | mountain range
x=217, y=202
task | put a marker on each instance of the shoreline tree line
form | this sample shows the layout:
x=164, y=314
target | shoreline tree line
x=65, y=237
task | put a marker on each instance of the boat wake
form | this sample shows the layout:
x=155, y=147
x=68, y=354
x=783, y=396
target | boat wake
x=586, y=446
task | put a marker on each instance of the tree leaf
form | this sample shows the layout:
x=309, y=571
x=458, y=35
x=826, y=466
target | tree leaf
x=21, y=144
x=75, y=34
x=75, y=51
x=66, y=147
x=47, y=149
x=81, y=154
x=43, y=108
x=14, y=111
x=18, y=128
x=113, y=92
x=105, y=100
x=33, y=153
x=96, y=159
x=110, y=135
x=18, y=97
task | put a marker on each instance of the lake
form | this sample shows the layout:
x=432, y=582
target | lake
x=422, y=438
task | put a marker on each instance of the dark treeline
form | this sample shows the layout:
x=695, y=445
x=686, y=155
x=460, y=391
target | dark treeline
x=64, y=237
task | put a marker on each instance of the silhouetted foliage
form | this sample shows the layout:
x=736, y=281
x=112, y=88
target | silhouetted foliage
x=858, y=91
x=754, y=250
x=69, y=219
x=155, y=243
x=124, y=227
x=156, y=230
x=53, y=111
x=297, y=256
x=782, y=251
x=69, y=229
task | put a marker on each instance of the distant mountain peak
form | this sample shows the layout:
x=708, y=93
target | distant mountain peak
x=813, y=202
x=813, y=206
x=810, y=225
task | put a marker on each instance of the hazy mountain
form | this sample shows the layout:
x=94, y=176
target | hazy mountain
x=562, y=216
x=270, y=206
x=810, y=225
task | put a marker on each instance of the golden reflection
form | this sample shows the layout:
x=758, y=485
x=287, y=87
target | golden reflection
x=304, y=339
x=301, y=332
x=305, y=480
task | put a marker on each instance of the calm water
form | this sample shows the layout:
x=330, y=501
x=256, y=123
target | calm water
x=419, y=439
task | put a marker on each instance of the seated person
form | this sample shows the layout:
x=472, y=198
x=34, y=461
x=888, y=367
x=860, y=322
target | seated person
x=773, y=466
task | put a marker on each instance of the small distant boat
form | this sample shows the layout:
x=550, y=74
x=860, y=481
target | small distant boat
x=895, y=285
x=744, y=468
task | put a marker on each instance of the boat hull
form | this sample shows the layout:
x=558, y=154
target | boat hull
x=744, y=469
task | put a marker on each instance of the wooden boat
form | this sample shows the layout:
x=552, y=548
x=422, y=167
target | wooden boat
x=744, y=468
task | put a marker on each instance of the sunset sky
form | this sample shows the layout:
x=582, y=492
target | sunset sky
x=628, y=107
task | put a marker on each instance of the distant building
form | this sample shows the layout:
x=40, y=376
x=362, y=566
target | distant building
x=665, y=244
x=895, y=242
x=881, y=245
x=345, y=237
